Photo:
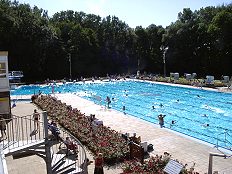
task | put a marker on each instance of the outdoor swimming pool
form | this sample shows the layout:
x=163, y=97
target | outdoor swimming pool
x=190, y=109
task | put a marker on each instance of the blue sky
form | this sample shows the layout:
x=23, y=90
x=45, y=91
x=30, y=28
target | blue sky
x=133, y=12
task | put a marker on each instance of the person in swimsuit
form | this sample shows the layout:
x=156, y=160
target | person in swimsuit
x=36, y=118
x=161, y=120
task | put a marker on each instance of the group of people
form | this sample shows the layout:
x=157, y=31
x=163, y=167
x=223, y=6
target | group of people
x=108, y=101
x=161, y=121
x=161, y=117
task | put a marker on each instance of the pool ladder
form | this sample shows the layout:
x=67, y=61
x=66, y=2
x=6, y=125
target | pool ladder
x=226, y=141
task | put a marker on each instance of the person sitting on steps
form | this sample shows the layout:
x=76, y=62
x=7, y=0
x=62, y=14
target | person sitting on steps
x=70, y=145
x=54, y=130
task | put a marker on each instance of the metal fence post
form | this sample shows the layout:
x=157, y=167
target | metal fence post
x=210, y=167
x=47, y=145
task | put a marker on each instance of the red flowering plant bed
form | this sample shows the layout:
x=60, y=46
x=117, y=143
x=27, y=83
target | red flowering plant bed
x=154, y=165
x=103, y=139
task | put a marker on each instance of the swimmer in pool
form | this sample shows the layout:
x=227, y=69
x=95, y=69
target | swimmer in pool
x=172, y=123
x=205, y=125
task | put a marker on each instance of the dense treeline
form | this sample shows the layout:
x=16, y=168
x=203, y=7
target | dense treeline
x=41, y=46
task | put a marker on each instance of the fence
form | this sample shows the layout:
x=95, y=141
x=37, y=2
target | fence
x=23, y=136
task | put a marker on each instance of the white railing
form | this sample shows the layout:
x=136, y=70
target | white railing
x=65, y=159
x=20, y=131
x=21, y=136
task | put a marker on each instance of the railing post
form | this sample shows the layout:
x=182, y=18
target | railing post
x=210, y=167
x=47, y=145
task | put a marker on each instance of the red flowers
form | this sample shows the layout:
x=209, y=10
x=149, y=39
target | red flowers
x=101, y=139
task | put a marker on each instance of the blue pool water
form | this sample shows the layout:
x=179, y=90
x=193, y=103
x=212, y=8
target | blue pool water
x=190, y=109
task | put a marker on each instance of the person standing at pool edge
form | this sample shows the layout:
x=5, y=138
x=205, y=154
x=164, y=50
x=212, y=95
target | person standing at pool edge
x=53, y=89
x=108, y=101
x=161, y=120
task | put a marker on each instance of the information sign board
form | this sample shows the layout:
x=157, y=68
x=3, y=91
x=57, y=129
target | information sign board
x=173, y=167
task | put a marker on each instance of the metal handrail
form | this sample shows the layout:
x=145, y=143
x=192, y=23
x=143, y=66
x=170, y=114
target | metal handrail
x=71, y=161
x=83, y=153
x=21, y=135
x=19, y=132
